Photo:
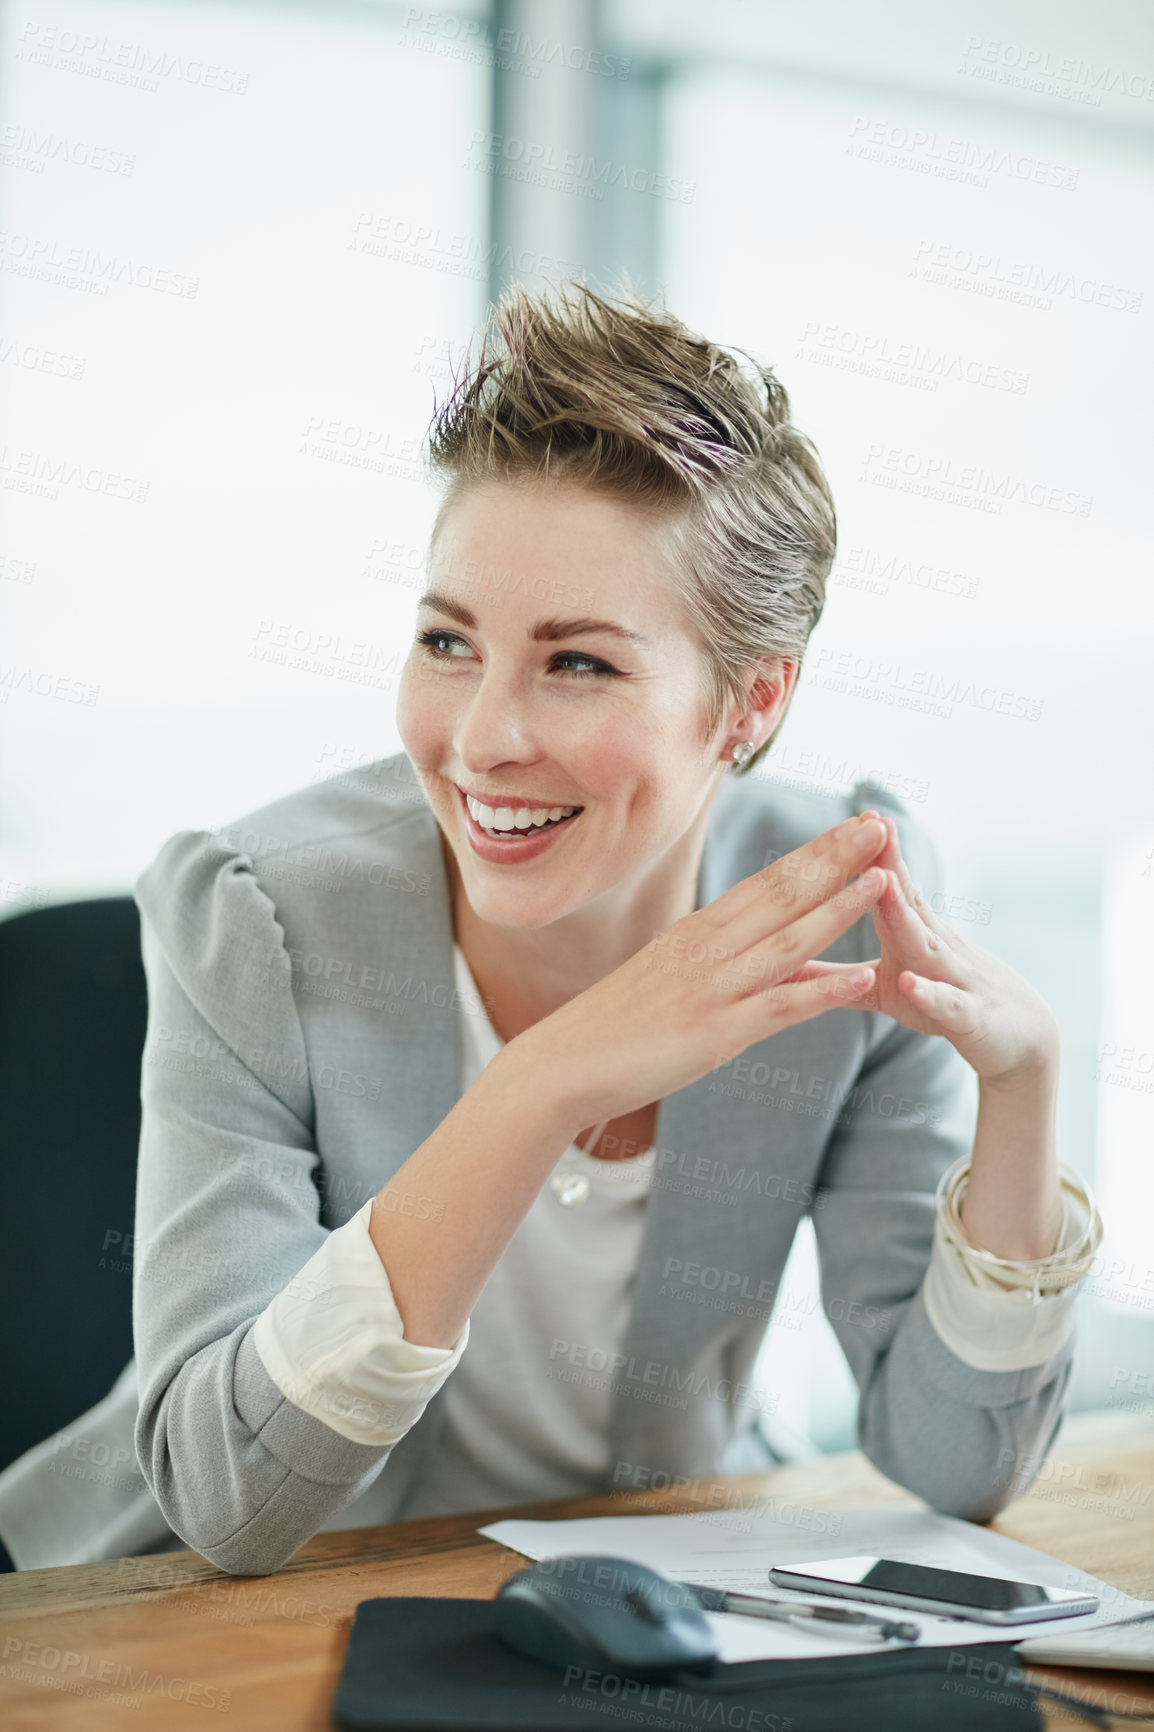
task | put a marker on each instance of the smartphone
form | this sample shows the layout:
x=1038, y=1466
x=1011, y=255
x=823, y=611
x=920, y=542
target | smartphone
x=949, y=1593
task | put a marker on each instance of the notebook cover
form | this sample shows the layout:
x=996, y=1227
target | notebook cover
x=433, y=1665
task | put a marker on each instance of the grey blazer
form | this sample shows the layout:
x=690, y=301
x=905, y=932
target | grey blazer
x=303, y=1039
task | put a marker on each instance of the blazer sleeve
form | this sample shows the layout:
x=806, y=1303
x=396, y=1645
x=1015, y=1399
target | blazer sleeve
x=955, y=1435
x=227, y=1219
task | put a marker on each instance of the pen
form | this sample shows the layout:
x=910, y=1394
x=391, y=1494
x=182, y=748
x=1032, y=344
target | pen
x=791, y=1612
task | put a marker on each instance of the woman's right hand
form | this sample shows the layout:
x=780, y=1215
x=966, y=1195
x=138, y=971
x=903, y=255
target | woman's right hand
x=721, y=978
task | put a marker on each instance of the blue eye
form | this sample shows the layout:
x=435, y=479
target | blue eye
x=428, y=638
x=593, y=665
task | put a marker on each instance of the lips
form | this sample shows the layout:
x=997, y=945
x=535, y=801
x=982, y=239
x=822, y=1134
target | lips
x=517, y=845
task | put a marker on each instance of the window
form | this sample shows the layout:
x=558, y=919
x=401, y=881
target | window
x=238, y=247
x=946, y=265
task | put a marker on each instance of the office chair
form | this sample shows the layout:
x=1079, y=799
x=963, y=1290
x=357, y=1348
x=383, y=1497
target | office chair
x=73, y=1013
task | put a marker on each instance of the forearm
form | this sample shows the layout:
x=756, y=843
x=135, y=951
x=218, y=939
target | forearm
x=238, y=1471
x=967, y=1441
x=443, y=1220
x=1013, y=1202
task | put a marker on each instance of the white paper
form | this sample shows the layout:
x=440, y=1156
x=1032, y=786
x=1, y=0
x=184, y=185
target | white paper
x=737, y=1548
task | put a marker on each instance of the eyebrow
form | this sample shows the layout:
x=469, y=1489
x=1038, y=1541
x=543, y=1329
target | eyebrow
x=545, y=631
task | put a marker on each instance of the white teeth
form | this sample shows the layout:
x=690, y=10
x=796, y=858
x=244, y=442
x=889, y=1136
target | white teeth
x=523, y=818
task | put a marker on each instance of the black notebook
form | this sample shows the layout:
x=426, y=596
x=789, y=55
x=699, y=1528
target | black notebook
x=439, y=1666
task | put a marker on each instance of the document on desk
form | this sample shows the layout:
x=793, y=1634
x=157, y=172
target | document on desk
x=737, y=1548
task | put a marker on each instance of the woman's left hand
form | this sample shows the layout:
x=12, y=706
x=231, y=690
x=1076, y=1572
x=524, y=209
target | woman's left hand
x=931, y=979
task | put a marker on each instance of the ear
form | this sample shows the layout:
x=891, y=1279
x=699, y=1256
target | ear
x=769, y=685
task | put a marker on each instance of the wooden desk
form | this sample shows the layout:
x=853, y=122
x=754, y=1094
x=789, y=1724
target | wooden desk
x=266, y=1651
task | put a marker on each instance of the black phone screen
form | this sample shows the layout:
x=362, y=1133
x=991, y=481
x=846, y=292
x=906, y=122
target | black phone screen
x=949, y=1587
x=989, y=1593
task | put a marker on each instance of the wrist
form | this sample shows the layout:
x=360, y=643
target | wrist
x=1036, y=1072
x=532, y=1078
x=1043, y=1269
x=1030, y=1233
x=1013, y=1203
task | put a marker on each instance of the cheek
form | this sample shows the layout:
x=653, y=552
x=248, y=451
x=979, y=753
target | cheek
x=623, y=765
x=648, y=751
x=421, y=721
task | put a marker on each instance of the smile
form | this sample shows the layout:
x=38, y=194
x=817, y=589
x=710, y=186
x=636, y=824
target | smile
x=511, y=834
x=505, y=818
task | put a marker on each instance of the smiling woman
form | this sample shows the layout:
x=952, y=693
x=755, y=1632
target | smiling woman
x=420, y=1290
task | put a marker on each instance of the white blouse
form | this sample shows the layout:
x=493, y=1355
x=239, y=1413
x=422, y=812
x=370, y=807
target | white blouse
x=530, y=1375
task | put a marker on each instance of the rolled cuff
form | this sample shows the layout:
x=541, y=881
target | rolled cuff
x=990, y=1328
x=333, y=1342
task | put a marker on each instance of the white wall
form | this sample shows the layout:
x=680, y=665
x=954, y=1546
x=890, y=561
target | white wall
x=255, y=410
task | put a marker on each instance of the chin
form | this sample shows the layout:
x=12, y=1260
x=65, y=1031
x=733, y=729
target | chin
x=512, y=904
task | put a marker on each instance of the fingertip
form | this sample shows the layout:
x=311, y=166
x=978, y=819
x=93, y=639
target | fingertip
x=886, y=894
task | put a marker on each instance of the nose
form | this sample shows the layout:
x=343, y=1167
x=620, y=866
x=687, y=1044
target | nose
x=493, y=724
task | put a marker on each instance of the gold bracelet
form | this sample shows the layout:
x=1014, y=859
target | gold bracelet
x=1044, y=1276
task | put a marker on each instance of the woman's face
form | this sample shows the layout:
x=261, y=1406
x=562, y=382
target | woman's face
x=556, y=671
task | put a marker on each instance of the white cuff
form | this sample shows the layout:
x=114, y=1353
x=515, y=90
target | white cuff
x=991, y=1328
x=333, y=1342
x=1077, y=1219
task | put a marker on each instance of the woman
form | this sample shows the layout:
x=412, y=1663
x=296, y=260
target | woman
x=483, y=1093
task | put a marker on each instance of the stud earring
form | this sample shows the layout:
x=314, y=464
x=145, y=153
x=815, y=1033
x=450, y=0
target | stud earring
x=742, y=752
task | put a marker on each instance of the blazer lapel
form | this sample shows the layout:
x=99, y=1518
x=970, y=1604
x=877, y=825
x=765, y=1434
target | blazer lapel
x=422, y=1051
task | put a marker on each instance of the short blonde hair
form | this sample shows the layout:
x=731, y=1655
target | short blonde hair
x=620, y=396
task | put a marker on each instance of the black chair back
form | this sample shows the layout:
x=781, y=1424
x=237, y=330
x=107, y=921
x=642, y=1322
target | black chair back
x=73, y=1012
